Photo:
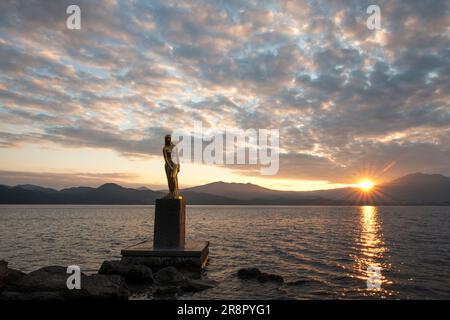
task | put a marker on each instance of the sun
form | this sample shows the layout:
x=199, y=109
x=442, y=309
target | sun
x=365, y=185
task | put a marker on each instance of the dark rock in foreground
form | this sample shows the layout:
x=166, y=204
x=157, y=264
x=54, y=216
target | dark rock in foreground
x=101, y=286
x=7, y=275
x=256, y=274
x=195, y=285
x=132, y=273
x=171, y=281
x=49, y=283
x=169, y=276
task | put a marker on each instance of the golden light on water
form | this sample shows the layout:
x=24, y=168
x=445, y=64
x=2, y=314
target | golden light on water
x=370, y=236
x=371, y=256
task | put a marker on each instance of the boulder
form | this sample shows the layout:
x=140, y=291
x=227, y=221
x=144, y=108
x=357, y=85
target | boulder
x=265, y=277
x=7, y=275
x=256, y=274
x=196, y=285
x=171, y=291
x=130, y=272
x=3, y=267
x=169, y=276
x=50, y=278
x=100, y=286
x=170, y=281
x=249, y=273
x=49, y=283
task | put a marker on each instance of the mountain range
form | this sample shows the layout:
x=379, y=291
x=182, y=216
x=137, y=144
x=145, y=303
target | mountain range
x=413, y=189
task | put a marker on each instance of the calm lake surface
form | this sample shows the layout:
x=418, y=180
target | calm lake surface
x=322, y=252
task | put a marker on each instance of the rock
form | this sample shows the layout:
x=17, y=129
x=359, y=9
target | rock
x=170, y=281
x=166, y=290
x=3, y=267
x=12, y=275
x=169, y=276
x=45, y=279
x=256, y=274
x=49, y=283
x=196, y=285
x=249, y=273
x=101, y=286
x=37, y=295
x=270, y=277
x=131, y=272
x=7, y=275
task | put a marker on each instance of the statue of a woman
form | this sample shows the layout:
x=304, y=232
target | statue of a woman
x=172, y=168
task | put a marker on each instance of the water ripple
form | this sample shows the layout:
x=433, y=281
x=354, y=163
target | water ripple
x=322, y=252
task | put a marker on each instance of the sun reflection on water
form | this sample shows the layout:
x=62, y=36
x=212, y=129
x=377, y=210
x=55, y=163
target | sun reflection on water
x=372, y=251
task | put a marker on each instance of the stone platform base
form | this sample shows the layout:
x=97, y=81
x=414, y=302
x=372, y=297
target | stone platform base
x=194, y=255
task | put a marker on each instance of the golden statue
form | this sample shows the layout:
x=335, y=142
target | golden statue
x=172, y=168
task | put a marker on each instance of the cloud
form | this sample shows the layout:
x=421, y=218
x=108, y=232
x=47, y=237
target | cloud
x=342, y=96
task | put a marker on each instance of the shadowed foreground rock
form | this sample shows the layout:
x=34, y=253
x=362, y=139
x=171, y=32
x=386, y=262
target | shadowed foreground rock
x=132, y=273
x=170, y=281
x=49, y=283
x=169, y=276
x=256, y=274
x=7, y=275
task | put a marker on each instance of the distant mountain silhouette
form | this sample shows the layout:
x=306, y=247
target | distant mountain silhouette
x=241, y=191
x=413, y=189
x=418, y=187
x=35, y=188
x=106, y=194
x=199, y=198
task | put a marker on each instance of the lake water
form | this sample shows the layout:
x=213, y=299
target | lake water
x=323, y=252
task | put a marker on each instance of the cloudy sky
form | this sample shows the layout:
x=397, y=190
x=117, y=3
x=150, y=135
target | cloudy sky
x=84, y=107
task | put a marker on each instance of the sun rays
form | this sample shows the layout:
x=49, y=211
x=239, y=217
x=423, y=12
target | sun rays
x=366, y=185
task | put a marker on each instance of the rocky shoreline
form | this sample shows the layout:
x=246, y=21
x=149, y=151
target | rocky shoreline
x=115, y=280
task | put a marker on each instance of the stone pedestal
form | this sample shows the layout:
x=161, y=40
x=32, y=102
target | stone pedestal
x=169, y=247
x=193, y=256
x=170, y=218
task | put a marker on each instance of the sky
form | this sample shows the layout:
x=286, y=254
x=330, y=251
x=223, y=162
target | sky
x=90, y=106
